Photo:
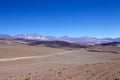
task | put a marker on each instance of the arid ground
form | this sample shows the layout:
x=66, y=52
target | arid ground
x=23, y=62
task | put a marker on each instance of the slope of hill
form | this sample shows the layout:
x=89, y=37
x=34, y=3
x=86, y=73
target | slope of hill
x=57, y=44
x=111, y=44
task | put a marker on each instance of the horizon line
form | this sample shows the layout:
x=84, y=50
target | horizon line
x=57, y=36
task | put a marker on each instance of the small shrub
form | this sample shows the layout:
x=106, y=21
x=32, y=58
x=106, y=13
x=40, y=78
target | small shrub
x=59, y=72
x=10, y=76
x=35, y=72
x=29, y=73
x=63, y=69
x=26, y=78
x=50, y=69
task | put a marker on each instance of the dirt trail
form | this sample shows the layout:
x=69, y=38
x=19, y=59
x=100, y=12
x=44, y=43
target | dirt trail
x=29, y=57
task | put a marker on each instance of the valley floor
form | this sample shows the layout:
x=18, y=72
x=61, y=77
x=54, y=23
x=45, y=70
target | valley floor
x=43, y=63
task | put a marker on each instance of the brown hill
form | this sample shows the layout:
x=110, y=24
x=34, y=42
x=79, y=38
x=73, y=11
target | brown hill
x=57, y=44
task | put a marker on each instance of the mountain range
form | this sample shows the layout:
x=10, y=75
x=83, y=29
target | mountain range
x=79, y=40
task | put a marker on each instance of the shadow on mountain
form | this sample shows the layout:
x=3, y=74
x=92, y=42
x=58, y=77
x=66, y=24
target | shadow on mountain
x=111, y=44
x=57, y=44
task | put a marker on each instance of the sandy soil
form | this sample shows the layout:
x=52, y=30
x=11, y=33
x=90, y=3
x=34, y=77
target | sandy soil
x=12, y=51
x=98, y=71
x=44, y=61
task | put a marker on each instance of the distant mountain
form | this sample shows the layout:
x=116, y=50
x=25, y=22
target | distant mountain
x=112, y=39
x=5, y=36
x=80, y=40
x=116, y=40
x=84, y=40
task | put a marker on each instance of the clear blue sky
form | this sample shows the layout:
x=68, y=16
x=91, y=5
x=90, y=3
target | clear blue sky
x=97, y=18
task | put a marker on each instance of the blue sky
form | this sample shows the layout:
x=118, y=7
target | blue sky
x=75, y=18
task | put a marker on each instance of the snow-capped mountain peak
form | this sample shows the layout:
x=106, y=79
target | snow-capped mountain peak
x=33, y=36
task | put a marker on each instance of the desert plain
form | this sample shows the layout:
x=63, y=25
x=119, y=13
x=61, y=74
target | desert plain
x=24, y=62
